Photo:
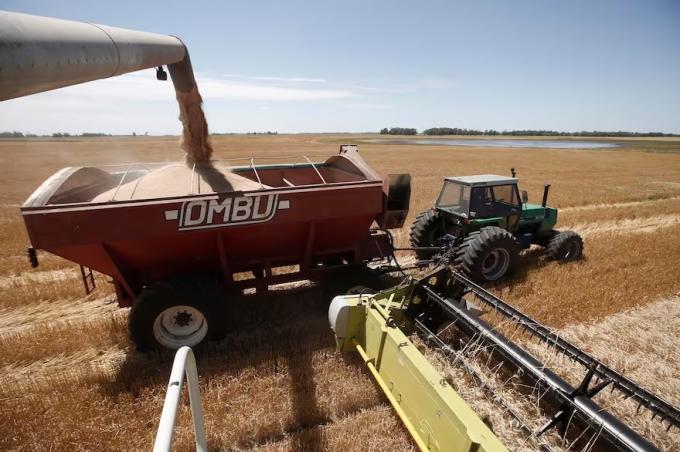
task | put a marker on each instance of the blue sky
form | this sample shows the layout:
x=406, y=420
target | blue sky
x=323, y=66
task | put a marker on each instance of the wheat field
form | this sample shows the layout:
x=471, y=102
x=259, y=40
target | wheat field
x=70, y=379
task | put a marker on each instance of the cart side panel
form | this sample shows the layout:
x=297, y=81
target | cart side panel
x=150, y=240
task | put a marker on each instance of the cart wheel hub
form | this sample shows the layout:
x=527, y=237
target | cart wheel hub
x=183, y=318
x=180, y=325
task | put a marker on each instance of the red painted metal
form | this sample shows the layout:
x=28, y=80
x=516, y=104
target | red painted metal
x=137, y=242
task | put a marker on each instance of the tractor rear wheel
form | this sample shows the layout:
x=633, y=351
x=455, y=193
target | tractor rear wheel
x=182, y=311
x=426, y=230
x=564, y=246
x=487, y=255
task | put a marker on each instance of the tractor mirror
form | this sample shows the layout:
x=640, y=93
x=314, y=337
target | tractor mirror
x=525, y=196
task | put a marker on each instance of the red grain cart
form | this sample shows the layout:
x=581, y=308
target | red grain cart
x=176, y=239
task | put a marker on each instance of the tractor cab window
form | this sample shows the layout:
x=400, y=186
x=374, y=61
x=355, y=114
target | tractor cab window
x=482, y=202
x=506, y=194
x=493, y=201
x=454, y=198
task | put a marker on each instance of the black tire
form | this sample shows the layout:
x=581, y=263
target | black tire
x=564, y=246
x=197, y=299
x=361, y=290
x=425, y=230
x=487, y=255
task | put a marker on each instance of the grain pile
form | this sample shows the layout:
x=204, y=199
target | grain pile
x=177, y=179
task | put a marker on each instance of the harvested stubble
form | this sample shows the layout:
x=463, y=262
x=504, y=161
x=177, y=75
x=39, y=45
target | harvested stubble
x=642, y=344
x=31, y=290
x=34, y=315
x=122, y=391
x=487, y=406
x=619, y=271
x=279, y=383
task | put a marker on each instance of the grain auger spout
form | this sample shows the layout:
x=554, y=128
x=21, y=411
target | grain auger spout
x=444, y=317
x=44, y=53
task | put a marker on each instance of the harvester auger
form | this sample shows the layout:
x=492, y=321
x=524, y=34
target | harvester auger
x=488, y=223
x=382, y=327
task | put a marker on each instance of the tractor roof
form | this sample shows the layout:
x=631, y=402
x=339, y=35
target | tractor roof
x=483, y=179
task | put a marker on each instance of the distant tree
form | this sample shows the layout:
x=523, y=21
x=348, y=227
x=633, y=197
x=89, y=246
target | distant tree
x=134, y=134
x=398, y=131
x=14, y=134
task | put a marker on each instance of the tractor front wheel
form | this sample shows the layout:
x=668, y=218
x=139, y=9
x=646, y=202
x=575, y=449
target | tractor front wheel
x=564, y=246
x=487, y=255
x=176, y=312
x=426, y=230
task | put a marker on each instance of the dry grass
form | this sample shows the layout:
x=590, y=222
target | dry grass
x=642, y=343
x=639, y=342
x=71, y=381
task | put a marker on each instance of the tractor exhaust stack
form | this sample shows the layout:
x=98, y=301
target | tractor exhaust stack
x=546, y=189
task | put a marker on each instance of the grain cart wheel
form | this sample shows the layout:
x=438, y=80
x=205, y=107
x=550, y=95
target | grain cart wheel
x=176, y=312
x=565, y=246
x=487, y=254
x=426, y=229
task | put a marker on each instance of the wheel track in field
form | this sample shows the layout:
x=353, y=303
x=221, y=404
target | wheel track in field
x=89, y=364
x=16, y=319
x=619, y=204
x=646, y=225
x=25, y=278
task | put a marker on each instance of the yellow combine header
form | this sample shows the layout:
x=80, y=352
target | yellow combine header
x=437, y=418
x=379, y=327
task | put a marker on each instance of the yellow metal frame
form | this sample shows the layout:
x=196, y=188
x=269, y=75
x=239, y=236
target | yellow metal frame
x=435, y=415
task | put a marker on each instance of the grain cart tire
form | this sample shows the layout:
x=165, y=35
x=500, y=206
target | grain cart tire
x=487, y=255
x=176, y=312
x=564, y=246
x=425, y=230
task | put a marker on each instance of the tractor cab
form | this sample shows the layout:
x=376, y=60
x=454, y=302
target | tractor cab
x=481, y=197
x=489, y=199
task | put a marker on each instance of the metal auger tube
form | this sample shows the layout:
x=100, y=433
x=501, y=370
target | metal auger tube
x=42, y=53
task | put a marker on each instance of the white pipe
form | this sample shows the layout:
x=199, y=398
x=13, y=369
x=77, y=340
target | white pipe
x=42, y=53
x=184, y=363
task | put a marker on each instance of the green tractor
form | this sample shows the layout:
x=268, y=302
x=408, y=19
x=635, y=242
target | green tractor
x=488, y=223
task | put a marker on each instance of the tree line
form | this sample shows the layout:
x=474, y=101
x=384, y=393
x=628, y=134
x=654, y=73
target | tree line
x=16, y=134
x=398, y=131
x=542, y=133
x=525, y=133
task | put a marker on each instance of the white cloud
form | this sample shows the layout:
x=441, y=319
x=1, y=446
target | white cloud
x=217, y=88
x=368, y=106
x=144, y=87
x=291, y=79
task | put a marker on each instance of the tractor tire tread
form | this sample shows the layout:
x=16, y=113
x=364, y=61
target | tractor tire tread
x=472, y=251
x=558, y=243
x=419, y=230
